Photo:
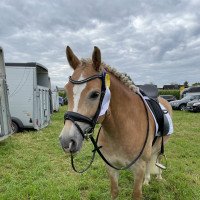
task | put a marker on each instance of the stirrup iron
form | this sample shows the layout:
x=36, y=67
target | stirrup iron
x=160, y=165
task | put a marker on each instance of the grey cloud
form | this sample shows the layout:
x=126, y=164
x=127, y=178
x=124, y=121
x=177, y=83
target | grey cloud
x=142, y=38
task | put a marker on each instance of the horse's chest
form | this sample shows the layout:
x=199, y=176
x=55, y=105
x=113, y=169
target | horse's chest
x=114, y=154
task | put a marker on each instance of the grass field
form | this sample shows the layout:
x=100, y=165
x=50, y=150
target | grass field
x=33, y=166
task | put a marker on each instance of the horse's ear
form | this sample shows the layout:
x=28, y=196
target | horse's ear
x=72, y=59
x=96, y=58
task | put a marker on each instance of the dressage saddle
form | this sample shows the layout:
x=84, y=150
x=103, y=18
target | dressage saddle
x=151, y=91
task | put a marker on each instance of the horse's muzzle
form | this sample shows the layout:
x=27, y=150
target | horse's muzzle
x=69, y=145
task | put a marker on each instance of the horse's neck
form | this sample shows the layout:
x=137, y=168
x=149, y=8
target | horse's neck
x=125, y=110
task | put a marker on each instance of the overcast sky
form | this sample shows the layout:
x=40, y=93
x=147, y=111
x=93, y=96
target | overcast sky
x=153, y=41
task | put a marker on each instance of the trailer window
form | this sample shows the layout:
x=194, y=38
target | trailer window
x=42, y=77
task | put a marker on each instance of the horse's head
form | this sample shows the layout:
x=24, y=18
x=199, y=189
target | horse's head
x=83, y=98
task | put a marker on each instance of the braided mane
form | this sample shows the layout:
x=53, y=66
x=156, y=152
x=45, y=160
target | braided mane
x=123, y=77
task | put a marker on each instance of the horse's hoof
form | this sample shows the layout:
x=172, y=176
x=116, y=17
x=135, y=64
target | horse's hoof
x=146, y=182
x=160, y=178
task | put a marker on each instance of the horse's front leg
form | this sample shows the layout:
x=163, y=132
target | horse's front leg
x=139, y=173
x=147, y=174
x=113, y=175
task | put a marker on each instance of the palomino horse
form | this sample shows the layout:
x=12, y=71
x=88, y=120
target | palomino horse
x=125, y=125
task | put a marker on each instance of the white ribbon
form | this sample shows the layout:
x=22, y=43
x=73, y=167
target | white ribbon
x=106, y=102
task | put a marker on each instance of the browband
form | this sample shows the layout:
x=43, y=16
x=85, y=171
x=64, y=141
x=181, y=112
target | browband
x=85, y=80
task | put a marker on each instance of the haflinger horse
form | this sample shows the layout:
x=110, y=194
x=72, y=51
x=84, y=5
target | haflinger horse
x=128, y=127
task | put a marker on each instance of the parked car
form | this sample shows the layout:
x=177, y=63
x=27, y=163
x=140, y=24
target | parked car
x=196, y=107
x=191, y=103
x=168, y=97
x=182, y=103
x=193, y=106
x=190, y=90
x=61, y=101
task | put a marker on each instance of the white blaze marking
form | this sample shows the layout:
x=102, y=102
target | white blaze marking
x=77, y=90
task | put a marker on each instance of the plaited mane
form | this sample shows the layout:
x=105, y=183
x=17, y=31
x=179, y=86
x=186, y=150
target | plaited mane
x=123, y=77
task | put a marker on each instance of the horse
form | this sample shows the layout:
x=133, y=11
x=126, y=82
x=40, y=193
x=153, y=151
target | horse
x=125, y=125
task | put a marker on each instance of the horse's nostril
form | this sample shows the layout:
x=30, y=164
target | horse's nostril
x=72, y=146
x=69, y=144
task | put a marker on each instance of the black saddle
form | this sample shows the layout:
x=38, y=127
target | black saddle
x=150, y=90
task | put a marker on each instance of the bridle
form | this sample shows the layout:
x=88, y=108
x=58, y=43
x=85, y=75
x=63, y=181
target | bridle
x=75, y=117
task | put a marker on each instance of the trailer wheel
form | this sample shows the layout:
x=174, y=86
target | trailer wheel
x=15, y=127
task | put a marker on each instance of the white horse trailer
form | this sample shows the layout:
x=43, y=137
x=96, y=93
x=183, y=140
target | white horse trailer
x=55, y=99
x=5, y=120
x=29, y=95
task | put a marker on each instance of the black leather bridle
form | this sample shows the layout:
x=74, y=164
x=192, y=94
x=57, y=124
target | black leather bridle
x=75, y=117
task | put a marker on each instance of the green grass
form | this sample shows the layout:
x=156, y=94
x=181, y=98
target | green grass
x=33, y=166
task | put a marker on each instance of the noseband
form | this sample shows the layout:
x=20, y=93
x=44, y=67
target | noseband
x=77, y=117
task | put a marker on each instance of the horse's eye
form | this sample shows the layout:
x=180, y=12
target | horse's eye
x=94, y=95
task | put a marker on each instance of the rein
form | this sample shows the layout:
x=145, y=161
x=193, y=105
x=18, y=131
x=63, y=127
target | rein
x=75, y=117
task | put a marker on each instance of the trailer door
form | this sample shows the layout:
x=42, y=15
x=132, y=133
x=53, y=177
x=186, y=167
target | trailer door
x=5, y=119
x=43, y=107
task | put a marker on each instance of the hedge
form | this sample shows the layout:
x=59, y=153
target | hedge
x=175, y=93
x=62, y=94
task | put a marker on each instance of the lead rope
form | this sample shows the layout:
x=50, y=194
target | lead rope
x=90, y=134
x=93, y=154
x=97, y=148
x=84, y=170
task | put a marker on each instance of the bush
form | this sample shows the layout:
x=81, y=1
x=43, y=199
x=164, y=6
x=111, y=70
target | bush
x=175, y=93
x=62, y=94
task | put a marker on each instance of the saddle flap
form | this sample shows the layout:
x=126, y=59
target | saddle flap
x=166, y=127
